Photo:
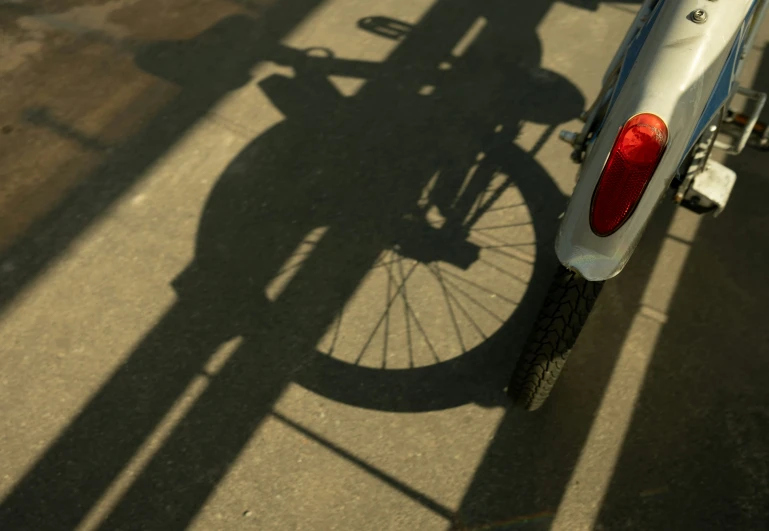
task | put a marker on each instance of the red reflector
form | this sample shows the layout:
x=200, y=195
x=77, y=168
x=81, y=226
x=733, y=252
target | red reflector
x=631, y=164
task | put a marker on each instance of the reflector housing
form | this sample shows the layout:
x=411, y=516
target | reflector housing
x=631, y=164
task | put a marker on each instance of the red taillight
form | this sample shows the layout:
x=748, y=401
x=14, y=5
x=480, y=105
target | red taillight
x=630, y=166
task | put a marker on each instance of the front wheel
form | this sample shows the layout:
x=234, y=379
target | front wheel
x=560, y=320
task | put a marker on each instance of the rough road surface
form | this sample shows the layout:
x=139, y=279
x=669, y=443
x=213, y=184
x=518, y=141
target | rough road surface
x=268, y=264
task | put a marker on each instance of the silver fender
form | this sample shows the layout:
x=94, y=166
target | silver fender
x=679, y=70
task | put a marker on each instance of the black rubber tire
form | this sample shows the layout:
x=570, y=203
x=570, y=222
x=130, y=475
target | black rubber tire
x=560, y=320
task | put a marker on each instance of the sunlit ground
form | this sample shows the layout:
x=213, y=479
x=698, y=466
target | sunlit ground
x=245, y=285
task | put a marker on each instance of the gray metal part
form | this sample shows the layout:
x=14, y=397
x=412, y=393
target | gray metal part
x=673, y=77
x=712, y=187
x=736, y=147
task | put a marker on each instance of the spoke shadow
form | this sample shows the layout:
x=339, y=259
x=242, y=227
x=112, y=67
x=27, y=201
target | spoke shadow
x=343, y=175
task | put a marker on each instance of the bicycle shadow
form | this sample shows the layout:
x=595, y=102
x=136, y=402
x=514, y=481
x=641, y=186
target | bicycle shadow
x=355, y=167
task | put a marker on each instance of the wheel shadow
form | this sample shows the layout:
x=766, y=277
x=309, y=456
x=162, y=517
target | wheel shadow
x=343, y=175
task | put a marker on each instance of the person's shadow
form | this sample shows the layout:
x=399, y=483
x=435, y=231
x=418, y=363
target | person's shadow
x=346, y=180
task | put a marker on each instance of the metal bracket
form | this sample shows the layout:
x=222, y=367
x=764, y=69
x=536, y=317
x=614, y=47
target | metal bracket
x=737, y=147
x=710, y=190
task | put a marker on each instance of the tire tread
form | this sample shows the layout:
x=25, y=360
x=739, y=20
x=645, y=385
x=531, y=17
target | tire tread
x=563, y=314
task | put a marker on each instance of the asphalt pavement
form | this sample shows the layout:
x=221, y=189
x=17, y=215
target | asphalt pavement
x=268, y=264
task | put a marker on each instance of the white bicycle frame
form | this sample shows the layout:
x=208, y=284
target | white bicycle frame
x=678, y=67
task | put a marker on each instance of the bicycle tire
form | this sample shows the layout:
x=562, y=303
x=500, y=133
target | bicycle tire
x=559, y=322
